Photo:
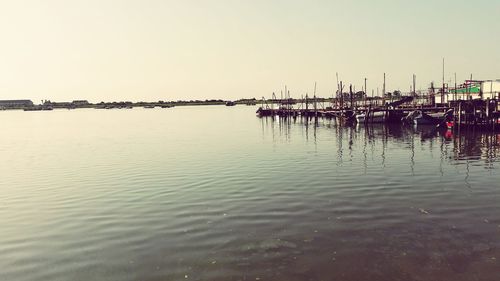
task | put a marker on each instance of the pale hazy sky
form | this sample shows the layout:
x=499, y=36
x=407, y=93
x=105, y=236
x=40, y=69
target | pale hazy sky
x=184, y=49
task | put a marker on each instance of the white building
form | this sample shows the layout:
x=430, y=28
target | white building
x=474, y=90
x=490, y=89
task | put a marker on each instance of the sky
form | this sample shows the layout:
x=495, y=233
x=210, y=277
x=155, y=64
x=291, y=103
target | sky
x=149, y=50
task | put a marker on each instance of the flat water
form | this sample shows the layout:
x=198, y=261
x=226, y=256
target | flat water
x=215, y=193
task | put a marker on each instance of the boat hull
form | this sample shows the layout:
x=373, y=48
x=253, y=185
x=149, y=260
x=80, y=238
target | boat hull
x=376, y=117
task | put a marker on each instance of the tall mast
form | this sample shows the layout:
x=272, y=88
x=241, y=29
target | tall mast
x=315, y=105
x=414, y=94
x=455, y=94
x=341, y=96
x=338, y=86
x=350, y=96
x=383, y=90
x=414, y=82
x=286, y=98
x=442, y=93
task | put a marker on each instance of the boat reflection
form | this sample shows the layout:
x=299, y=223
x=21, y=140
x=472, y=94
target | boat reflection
x=455, y=146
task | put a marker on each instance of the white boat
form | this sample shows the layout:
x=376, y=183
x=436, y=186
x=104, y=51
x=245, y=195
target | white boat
x=373, y=117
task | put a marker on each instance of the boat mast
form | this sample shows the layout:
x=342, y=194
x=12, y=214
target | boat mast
x=383, y=90
x=455, y=94
x=442, y=93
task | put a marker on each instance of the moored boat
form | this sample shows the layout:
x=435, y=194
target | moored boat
x=371, y=117
x=417, y=117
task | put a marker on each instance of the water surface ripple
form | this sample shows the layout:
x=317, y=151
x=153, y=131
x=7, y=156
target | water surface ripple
x=214, y=193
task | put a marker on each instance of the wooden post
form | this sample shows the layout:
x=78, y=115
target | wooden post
x=495, y=119
x=315, y=107
x=307, y=103
x=460, y=113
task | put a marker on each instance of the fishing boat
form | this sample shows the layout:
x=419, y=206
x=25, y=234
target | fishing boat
x=418, y=117
x=230, y=103
x=371, y=117
x=262, y=112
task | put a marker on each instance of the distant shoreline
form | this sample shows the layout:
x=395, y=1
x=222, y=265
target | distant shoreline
x=48, y=105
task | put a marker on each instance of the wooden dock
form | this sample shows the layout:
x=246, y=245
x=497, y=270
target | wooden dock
x=476, y=114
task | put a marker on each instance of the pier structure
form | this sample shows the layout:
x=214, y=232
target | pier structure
x=442, y=107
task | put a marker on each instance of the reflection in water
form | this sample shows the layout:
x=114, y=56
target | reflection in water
x=400, y=169
x=459, y=149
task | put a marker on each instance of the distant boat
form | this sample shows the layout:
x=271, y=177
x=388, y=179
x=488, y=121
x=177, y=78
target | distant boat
x=261, y=112
x=149, y=106
x=166, y=106
x=38, y=108
x=34, y=108
x=230, y=103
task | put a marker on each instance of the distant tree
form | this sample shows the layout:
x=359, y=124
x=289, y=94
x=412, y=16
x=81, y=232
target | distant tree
x=360, y=95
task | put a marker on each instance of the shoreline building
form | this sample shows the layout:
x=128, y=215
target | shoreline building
x=80, y=102
x=15, y=104
x=474, y=89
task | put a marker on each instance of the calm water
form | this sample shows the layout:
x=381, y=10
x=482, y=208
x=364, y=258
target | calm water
x=215, y=193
